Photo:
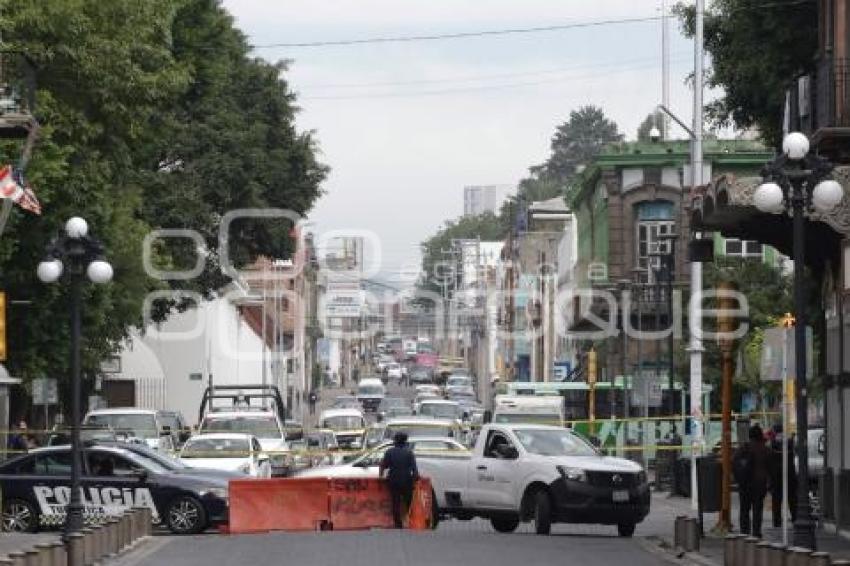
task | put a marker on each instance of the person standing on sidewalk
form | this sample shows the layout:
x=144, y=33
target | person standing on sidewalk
x=402, y=473
x=750, y=467
x=776, y=476
x=312, y=401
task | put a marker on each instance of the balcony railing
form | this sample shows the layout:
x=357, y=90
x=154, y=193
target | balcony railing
x=821, y=100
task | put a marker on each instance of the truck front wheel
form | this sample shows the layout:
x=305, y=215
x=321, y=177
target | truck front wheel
x=542, y=513
x=626, y=529
x=505, y=524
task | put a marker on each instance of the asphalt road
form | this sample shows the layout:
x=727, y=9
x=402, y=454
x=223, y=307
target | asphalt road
x=466, y=544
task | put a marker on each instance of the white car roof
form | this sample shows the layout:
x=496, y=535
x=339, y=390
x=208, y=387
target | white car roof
x=415, y=420
x=371, y=381
x=221, y=436
x=519, y=426
x=123, y=411
x=237, y=413
x=350, y=412
x=438, y=401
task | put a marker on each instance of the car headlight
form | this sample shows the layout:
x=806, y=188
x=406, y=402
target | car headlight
x=573, y=474
x=220, y=492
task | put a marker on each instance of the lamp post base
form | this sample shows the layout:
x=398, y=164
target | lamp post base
x=804, y=533
x=73, y=519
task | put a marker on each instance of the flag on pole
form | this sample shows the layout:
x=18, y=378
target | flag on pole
x=14, y=187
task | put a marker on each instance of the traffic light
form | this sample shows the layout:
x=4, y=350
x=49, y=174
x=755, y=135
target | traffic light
x=2, y=326
x=591, y=366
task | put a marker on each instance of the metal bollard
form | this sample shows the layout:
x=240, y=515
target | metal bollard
x=147, y=522
x=60, y=555
x=32, y=558
x=819, y=559
x=692, y=534
x=5, y=561
x=45, y=554
x=88, y=546
x=126, y=531
x=75, y=549
x=18, y=558
x=797, y=556
x=679, y=531
x=96, y=543
x=778, y=555
x=111, y=536
x=738, y=550
x=841, y=562
x=748, y=554
x=763, y=555
x=134, y=525
x=729, y=543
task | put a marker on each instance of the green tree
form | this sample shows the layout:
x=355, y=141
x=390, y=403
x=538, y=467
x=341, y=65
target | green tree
x=768, y=293
x=154, y=115
x=577, y=142
x=652, y=120
x=756, y=49
x=438, y=267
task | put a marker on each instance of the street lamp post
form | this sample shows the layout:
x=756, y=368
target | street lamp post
x=75, y=253
x=798, y=181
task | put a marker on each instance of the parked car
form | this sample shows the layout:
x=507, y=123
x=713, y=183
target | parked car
x=36, y=488
x=147, y=425
x=227, y=451
x=261, y=423
x=394, y=371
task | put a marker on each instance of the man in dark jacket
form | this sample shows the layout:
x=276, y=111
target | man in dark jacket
x=400, y=465
x=776, y=476
x=750, y=467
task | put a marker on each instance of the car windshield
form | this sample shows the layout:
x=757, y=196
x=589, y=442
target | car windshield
x=440, y=410
x=418, y=430
x=216, y=448
x=553, y=443
x=458, y=381
x=370, y=390
x=134, y=424
x=343, y=422
x=553, y=419
x=259, y=426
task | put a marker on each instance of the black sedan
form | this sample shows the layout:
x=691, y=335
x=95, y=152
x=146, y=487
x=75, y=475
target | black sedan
x=36, y=490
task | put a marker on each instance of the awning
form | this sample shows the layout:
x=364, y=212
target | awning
x=726, y=205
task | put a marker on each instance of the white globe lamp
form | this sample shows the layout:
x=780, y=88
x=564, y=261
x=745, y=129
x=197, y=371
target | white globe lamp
x=99, y=271
x=49, y=271
x=769, y=198
x=76, y=227
x=795, y=146
x=827, y=195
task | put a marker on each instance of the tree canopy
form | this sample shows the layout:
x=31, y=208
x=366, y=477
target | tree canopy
x=756, y=50
x=154, y=115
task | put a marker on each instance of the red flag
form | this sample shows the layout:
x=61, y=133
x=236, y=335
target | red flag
x=13, y=186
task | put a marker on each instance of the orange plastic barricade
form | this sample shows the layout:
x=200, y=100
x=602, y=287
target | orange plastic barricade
x=295, y=504
x=361, y=503
x=419, y=518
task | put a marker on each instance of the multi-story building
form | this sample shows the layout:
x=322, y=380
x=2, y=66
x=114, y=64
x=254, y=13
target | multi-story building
x=633, y=233
x=478, y=199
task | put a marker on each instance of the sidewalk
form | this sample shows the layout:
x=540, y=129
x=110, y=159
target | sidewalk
x=666, y=508
x=19, y=542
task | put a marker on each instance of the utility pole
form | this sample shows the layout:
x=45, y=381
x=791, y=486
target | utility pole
x=725, y=326
x=695, y=304
x=665, y=69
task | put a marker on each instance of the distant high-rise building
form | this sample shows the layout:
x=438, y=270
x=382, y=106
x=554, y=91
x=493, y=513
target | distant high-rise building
x=478, y=199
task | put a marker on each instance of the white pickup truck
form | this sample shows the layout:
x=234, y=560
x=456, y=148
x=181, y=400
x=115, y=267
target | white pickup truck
x=538, y=473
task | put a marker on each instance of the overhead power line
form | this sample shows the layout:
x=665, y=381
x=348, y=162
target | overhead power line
x=457, y=35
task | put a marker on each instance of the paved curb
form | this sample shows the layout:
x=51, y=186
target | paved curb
x=658, y=547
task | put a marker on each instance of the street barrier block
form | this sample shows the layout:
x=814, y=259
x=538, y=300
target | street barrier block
x=359, y=503
x=293, y=504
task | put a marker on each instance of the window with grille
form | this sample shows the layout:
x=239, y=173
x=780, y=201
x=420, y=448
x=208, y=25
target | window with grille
x=650, y=242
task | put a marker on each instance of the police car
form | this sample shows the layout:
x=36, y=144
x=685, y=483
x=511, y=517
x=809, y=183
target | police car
x=36, y=489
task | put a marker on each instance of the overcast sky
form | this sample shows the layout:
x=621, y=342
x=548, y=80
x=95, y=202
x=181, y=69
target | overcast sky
x=405, y=126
